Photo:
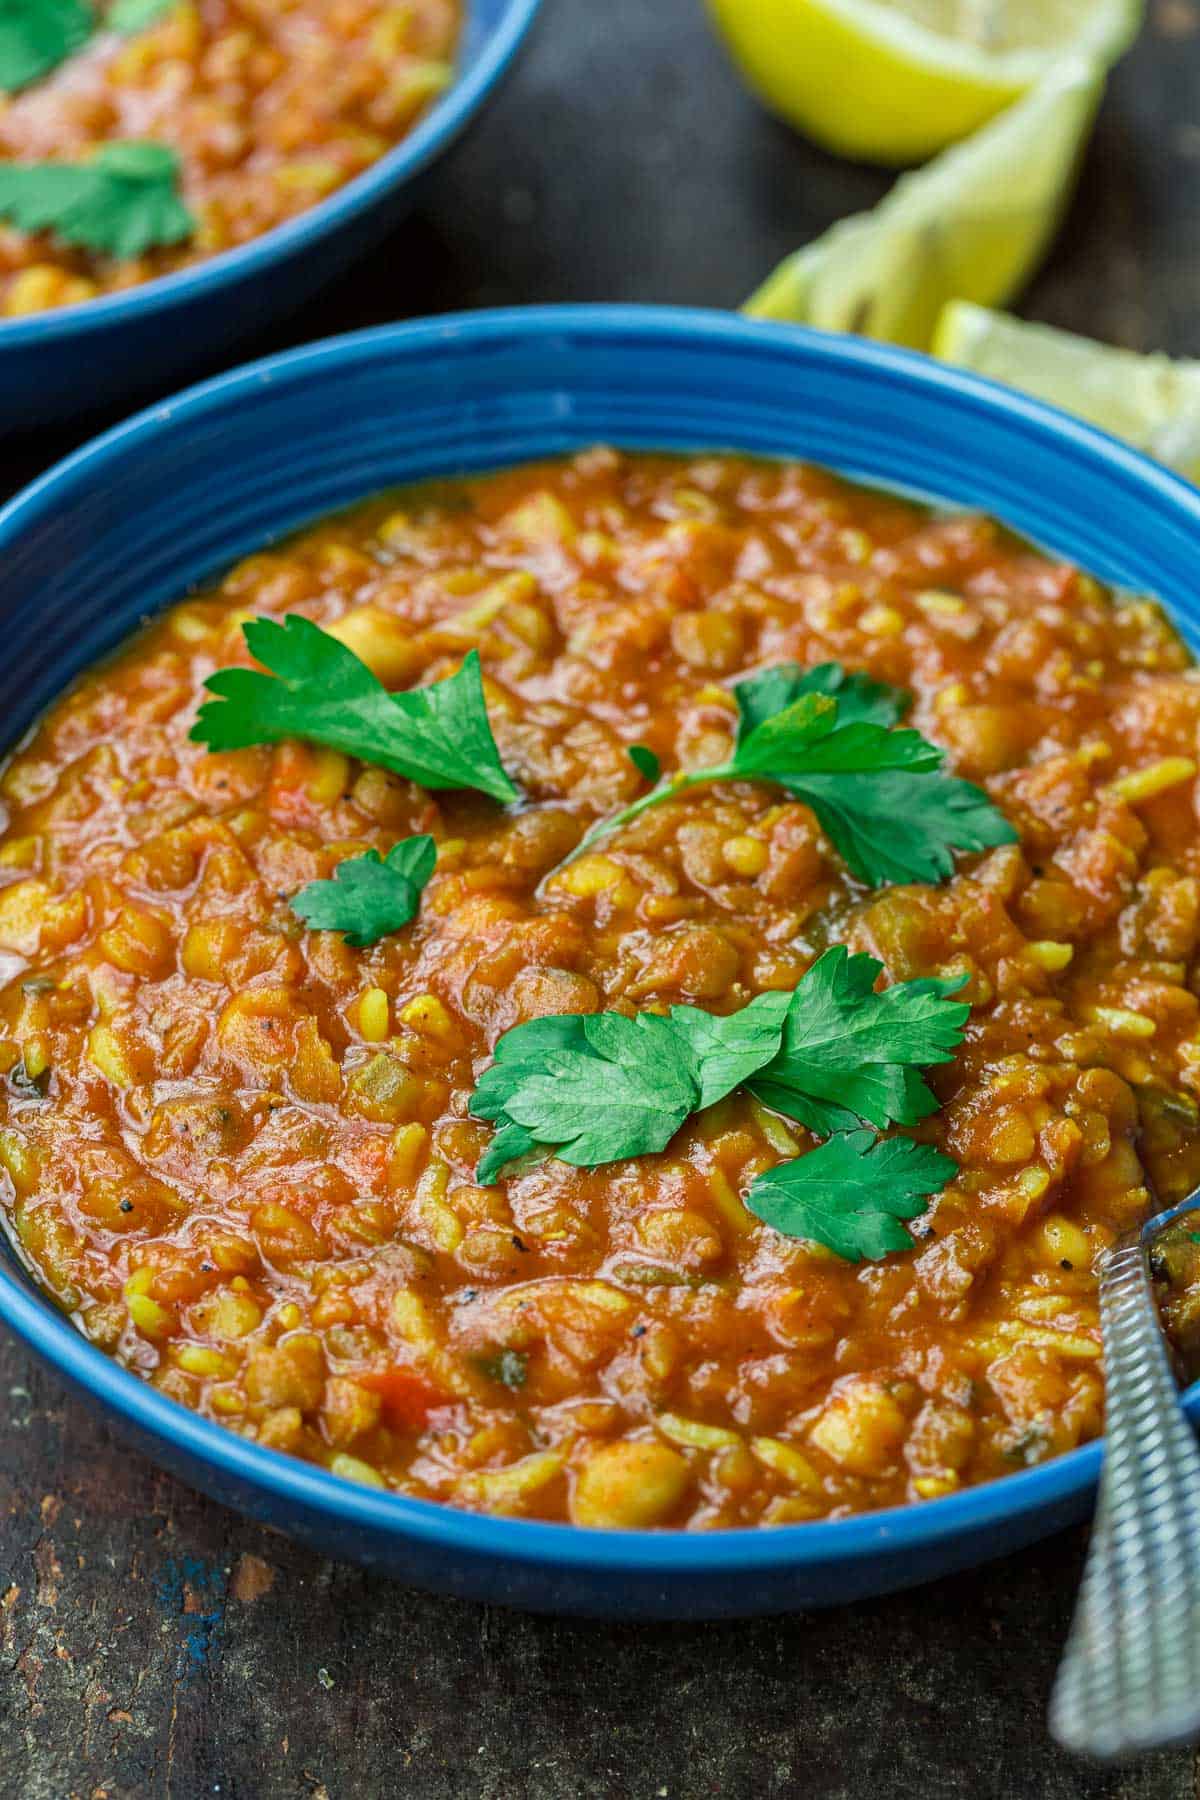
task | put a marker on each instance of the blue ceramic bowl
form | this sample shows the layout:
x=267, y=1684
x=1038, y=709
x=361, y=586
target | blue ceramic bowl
x=171, y=498
x=76, y=360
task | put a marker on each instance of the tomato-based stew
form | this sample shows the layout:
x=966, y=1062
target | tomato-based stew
x=253, y=1133
x=264, y=107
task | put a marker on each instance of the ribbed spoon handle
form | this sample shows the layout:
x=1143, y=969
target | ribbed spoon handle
x=1130, y=1677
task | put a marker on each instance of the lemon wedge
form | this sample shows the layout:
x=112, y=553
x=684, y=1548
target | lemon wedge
x=1152, y=402
x=895, y=81
x=973, y=225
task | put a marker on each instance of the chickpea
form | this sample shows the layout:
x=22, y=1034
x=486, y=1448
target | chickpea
x=629, y=1486
x=861, y=1428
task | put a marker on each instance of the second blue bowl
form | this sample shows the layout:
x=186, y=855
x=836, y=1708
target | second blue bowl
x=76, y=360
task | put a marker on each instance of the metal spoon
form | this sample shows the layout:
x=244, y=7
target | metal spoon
x=1130, y=1675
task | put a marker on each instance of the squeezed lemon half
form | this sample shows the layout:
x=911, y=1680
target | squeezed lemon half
x=895, y=81
x=973, y=225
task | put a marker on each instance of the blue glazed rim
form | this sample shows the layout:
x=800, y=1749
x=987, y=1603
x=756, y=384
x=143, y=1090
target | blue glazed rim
x=433, y=134
x=1053, y=1488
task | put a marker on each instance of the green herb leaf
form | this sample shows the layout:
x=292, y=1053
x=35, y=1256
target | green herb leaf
x=851, y=1193
x=36, y=35
x=831, y=1054
x=519, y=1055
x=881, y=795
x=726, y=1051
x=121, y=203
x=859, y=780
x=369, y=895
x=850, y=1054
x=130, y=16
x=886, y=826
x=860, y=700
x=618, y=1087
x=319, y=690
x=645, y=761
x=598, y=1088
x=512, y=1144
x=566, y=1058
x=508, y=1367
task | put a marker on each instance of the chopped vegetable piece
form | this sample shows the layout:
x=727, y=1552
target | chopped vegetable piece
x=408, y=1399
x=508, y=1367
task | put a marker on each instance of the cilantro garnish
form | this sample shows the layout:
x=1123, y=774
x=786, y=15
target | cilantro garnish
x=598, y=1088
x=851, y=1193
x=880, y=794
x=122, y=202
x=129, y=16
x=644, y=761
x=319, y=690
x=36, y=35
x=369, y=895
x=849, y=1054
x=861, y=701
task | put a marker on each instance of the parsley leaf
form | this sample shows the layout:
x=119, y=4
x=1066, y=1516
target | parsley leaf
x=129, y=16
x=518, y=1055
x=369, y=895
x=850, y=1054
x=830, y=1054
x=36, y=35
x=597, y=1087
x=601, y=1087
x=726, y=1051
x=645, y=761
x=851, y=1193
x=318, y=689
x=122, y=202
x=706, y=1057
x=879, y=794
x=860, y=700
x=511, y=1145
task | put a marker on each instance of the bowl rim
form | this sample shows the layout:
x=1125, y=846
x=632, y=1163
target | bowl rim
x=433, y=133
x=970, y=1514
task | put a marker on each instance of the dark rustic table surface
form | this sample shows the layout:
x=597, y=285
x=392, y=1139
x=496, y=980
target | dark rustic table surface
x=153, y=1644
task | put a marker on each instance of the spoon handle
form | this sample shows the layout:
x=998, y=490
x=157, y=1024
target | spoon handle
x=1130, y=1676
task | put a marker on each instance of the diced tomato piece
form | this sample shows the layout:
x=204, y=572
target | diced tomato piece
x=408, y=1399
